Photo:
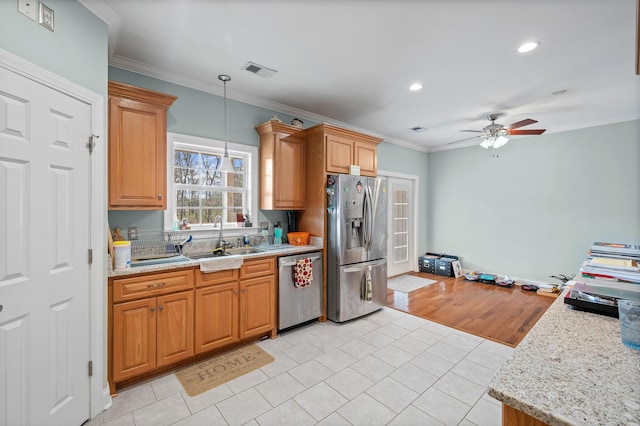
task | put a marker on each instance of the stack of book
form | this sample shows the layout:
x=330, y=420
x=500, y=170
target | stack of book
x=611, y=270
x=611, y=261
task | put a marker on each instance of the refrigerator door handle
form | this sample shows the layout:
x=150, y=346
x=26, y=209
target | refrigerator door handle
x=367, y=215
x=368, y=266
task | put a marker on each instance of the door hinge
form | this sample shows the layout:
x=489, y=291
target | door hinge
x=91, y=144
x=90, y=256
x=90, y=368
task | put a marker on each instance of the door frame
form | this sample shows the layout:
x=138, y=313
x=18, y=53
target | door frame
x=415, y=179
x=100, y=398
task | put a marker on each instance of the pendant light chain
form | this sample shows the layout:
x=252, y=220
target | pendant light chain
x=224, y=167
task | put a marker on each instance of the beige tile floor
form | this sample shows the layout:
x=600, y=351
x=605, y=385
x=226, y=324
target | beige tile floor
x=387, y=368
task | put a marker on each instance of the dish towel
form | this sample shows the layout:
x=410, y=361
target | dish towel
x=303, y=273
x=220, y=264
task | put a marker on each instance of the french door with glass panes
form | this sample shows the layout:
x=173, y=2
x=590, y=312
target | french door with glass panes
x=401, y=240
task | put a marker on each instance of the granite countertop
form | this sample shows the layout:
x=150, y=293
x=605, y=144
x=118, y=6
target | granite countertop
x=572, y=369
x=273, y=250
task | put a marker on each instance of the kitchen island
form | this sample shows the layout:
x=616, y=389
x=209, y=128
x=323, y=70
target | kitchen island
x=571, y=369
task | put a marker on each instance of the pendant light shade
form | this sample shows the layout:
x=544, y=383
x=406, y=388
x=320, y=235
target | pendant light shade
x=225, y=162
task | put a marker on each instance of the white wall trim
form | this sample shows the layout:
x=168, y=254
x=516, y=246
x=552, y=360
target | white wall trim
x=99, y=398
x=416, y=181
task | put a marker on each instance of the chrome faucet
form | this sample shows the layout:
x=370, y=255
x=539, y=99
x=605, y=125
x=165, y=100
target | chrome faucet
x=220, y=243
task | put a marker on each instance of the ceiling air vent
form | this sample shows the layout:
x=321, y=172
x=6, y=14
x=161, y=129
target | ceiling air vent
x=259, y=70
x=418, y=129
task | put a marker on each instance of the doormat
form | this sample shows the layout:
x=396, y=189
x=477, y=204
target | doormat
x=408, y=283
x=201, y=377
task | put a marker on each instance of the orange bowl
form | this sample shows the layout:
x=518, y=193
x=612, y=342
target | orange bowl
x=298, y=238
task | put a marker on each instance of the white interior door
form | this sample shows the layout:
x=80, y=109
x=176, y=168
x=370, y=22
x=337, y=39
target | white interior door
x=401, y=232
x=44, y=241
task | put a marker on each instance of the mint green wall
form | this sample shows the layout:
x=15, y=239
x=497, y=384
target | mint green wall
x=76, y=50
x=399, y=159
x=534, y=210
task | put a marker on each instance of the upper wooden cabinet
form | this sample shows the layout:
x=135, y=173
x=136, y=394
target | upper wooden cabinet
x=282, y=174
x=343, y=148
x=137, y=148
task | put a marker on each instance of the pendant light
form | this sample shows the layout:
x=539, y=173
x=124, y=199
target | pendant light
x=225, y=162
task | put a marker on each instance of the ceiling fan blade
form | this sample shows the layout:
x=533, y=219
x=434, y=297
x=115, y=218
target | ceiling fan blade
x=466, y=139
x=522, y=123
x=474, y=131
x=527, y=132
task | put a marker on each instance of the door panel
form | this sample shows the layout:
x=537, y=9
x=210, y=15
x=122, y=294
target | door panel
x=174, y=327
x=44, y=239
x=216, y=316
x=353, y=298
x=134, y=338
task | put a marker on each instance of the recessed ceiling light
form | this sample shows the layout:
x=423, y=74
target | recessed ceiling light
x=528, y=47
x=415, y=87
x=559, y=92
x=419, y=129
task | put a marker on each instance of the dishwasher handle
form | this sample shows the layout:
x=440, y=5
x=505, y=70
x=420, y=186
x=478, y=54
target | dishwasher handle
x=313, y=259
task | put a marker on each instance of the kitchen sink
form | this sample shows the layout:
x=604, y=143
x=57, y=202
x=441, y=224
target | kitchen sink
x=243, y=250
x=227, y=252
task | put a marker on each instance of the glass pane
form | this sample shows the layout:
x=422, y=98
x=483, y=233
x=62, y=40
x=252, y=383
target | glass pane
x=192, y=215
x=209, y=214
x=187, y=159
x=210, y=164
x=186, y=198
x=235, y=180
x=234, y=199
x=212, y=199
x=238, y=163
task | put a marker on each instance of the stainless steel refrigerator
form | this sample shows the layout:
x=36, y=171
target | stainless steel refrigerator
x=357, y=246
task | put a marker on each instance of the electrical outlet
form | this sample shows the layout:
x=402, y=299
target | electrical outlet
x=45, y=17
x=28, y=8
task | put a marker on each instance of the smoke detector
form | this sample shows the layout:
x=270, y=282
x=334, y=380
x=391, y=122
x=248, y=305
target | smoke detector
x=260, y=70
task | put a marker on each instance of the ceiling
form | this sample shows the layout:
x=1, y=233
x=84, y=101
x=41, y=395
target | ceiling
x=351, y=62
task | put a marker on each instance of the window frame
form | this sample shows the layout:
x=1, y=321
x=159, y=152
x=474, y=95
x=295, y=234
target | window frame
x=251, y=178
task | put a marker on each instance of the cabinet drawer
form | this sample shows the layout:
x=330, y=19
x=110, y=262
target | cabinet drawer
x=220, y=277
x=258, y=267
x=151, y=285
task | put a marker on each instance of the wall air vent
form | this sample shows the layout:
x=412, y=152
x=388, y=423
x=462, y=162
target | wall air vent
x=259, y=70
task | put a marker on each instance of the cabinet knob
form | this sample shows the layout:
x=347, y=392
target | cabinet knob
x=160, y=308
x=235, y=291
x=153, y=309
x=244, y=290
x=159, y=196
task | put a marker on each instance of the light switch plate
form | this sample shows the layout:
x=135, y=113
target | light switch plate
x=28, y=8
x=45, y=17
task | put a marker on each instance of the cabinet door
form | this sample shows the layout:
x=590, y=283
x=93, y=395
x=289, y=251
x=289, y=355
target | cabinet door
x=366, y=155
x=339, y=154
x=216, y=316
x=289, y=181
x=174, y=327
x=134, y=338
x=257, y=306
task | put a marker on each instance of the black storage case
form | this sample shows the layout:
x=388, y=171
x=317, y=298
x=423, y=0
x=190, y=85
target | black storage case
x=444, y=265
x=439, y=264
x=427, y=263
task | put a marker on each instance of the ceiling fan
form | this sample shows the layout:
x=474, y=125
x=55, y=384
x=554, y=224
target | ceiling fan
x=495, y=135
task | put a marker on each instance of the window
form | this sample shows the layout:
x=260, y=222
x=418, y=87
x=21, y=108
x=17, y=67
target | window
x=199, y=193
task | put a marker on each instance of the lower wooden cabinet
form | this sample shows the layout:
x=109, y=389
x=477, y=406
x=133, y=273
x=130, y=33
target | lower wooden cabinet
x=216, y=316
x=257, y=306
x=151, y=333
x=160, y=319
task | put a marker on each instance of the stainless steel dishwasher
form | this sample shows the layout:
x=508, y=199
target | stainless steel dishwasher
x=298, y=305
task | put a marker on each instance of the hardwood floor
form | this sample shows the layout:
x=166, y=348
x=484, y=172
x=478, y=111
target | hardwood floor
x=504, y=315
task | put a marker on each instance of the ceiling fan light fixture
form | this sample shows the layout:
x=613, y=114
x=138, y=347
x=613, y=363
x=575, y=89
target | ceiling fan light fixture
x=528, y=47
x=500, y=141
x=486, y=143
